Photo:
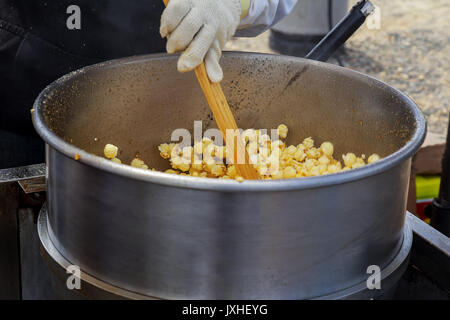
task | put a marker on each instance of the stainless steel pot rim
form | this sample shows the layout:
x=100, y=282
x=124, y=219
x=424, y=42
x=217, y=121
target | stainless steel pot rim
x=220, y=184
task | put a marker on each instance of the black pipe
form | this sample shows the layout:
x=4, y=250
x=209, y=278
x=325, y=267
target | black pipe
x=341, y=32
x=439, y=210
x=444, y=190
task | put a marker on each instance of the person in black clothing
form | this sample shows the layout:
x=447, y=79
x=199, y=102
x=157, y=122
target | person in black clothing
x=37, y=47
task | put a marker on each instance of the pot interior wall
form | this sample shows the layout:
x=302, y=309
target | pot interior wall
x=136, y=105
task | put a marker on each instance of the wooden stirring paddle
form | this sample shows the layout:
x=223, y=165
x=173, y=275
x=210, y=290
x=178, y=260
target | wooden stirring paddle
x=224, y=119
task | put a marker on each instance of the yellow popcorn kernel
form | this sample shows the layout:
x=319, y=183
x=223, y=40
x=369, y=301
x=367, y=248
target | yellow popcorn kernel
x=208, y=151
x=116, y=160
x=300, y=155
x=291, y=150
x=339, y=165
x=252, y=148
x=309, y=163
x=175, y=161
x=264, y=152
x=282, y=131
x=264, y=139
x=254, y=159
x=218, y=170
x=308, y=143
x=357, y=165
x=209, y=163
x=360, y=161
x=198, y=147
x=206, y=141
x=300, y=146
x=166, y=150
x=263, y=170
x=315, y=171
x=249, y=135
x=197, y=164
x=220, y=152
x=137, y=163
x=373, y=158
x=184, y=167
x=313, y=153
x=324, y=160
x=239, y=179
x=277, y=174
x=289, y=172
x=110, y=151
x=278, y=144
x=188, y=152
x=327, y=148
x=180, y=163
x=171, y=171
x=323, y=168
x=193, y=172
x=304, y=172
x=332, y=168
x=231, y=172
x=297, y=166
x=349, y=159
x=197, y=159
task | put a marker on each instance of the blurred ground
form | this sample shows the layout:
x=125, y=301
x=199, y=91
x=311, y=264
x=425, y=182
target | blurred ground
x=411, y=52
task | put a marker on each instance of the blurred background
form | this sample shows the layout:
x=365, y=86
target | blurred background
x=404, y=43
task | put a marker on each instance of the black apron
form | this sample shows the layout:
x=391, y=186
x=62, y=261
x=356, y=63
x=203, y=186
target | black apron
x=36, y=48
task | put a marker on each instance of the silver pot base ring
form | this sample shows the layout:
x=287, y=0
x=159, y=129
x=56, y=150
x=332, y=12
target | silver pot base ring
x=94, y=288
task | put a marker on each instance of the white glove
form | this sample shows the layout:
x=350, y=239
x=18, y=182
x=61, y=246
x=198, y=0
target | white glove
x=200, y=28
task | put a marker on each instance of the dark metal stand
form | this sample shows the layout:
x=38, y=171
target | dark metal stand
x=439, y=210
x=23, y=274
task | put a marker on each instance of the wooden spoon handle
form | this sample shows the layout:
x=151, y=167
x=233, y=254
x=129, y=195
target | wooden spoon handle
x=225, y=120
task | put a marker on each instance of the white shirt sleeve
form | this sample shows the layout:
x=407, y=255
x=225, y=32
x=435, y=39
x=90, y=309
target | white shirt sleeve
x=263, y=14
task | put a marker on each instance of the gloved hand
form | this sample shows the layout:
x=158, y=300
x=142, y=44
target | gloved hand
x=200, y=28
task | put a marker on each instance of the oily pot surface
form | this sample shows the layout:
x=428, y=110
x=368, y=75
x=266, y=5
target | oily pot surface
x=138, y=106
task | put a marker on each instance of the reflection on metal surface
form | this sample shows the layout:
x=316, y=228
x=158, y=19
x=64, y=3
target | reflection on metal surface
x=22, y=173
x=389, y=275
x=94, y=288
x=91, y=287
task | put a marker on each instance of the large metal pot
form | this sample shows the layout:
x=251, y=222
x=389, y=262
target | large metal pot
x=171, y=236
